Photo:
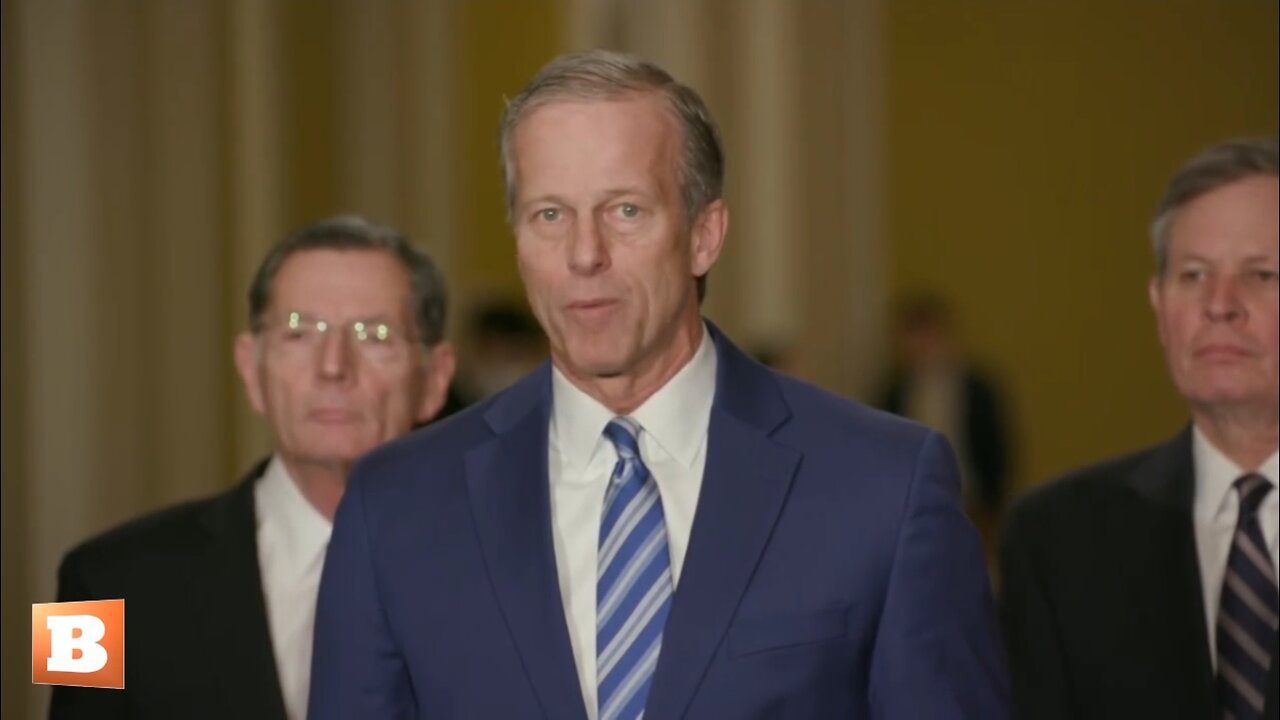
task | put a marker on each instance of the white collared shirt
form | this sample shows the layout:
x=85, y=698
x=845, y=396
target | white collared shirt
x=292, y=539
x=673, y=445
x=1215, y=511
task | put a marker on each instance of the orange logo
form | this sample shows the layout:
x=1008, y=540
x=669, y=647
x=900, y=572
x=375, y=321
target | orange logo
x=78, y=643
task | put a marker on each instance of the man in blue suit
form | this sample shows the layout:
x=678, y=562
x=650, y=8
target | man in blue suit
x=650, y=524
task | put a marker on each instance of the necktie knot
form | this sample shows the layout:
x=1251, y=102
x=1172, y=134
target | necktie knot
x=1252, y=489
x=623, y=433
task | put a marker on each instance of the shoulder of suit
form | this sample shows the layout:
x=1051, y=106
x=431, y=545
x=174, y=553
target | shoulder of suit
x=160, y=532
x=1064, y=499
x=817, y=412
x=433, y=445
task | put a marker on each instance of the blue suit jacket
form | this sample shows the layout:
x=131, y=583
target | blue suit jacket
x=830, y=571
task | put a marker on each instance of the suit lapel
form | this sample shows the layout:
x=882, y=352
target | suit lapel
x=510, y=499
x=744, y=487
x=1165, y=555
x=239, y=644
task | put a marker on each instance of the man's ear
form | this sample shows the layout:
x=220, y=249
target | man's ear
x=1154, y=290
x=250, y=370
x=708, y=234
x=441, y=362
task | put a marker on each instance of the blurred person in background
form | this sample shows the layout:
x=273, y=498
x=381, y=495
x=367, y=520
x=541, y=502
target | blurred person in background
x=345, y=350
x=935, y=384
x=778, y=356
x=1145, y=586
x=652, y=523
x=506, y=344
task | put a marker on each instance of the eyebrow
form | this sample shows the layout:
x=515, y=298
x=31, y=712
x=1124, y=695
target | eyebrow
x=1259, y=259
x=540, y=199
x=1250, y=260
x=610, y=194
x=375, y=317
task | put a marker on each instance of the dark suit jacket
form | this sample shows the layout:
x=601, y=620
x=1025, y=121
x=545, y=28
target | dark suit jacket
x=196, y=638
x=1102, y=606
x=986, y=439
x=830, y=571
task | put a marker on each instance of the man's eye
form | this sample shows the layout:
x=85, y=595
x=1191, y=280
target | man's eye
x=1190, y=275
x=627, y=210
x=549, y=214
x=1266, y=275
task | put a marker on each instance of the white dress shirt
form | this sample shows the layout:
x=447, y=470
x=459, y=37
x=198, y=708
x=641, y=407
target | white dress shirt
x=292, y=539
x=673, y=445
x=1216, y=509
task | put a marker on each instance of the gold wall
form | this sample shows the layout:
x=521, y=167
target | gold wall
x=1028, y=145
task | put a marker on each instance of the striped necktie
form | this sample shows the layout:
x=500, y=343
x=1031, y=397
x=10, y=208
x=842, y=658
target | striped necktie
x=1247, y=616
x=633, y=587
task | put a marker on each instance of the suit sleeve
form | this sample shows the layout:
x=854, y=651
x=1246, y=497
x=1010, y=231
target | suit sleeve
x=72, y=703
x=357, y=669
x=1035, y=651
x=937, y=651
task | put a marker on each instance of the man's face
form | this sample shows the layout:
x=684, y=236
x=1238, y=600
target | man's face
x=607, y=258
x=925, y=344
x=1216, y=304
x=328, y=397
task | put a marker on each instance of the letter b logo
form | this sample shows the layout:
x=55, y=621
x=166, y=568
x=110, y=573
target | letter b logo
x=63, y=643
x=78, y=643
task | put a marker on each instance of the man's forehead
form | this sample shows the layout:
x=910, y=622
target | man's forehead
x=337, y=277
x=624, y=113
x=627, y=141
x=1237, y=220
x=340, y=264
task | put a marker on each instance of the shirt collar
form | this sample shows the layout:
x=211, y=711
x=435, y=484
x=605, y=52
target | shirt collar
x=282, y=504
x=675, y=417
x=1216, y=475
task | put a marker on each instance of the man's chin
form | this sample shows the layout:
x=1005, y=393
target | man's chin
x=336, y=452
x=1232, y=395
x=595, y=362
x=598, y=369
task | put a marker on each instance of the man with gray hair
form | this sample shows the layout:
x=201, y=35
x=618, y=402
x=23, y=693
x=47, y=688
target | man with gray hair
x=651, y=524
x=1145, y=586
x=344, y=350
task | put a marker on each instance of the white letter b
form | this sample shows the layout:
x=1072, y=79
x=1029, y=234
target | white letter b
x=93, y=656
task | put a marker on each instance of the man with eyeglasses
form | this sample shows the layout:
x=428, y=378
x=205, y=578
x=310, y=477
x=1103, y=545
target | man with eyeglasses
x=344, y=352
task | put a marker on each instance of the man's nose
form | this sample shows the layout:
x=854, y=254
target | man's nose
x=1222, y=303
x=588, y=252
x=336, y=359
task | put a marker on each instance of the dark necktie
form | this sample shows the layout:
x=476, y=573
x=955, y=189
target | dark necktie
x=1247, y=616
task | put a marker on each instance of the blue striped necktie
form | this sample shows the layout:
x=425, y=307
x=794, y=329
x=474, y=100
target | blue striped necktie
x=633, y=587
x=1247, y=615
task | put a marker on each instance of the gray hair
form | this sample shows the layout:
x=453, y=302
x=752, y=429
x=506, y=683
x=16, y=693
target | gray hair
x=607, y=75
x=1214, y=167
x=349, y=232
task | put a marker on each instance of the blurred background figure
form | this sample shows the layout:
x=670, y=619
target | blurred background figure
x=936, y=383
x=344, y=350
x=505, y=344
x=779, y=356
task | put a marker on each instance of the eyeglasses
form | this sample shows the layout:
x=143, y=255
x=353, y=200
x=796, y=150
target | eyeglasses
x=299, y=335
